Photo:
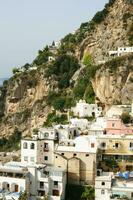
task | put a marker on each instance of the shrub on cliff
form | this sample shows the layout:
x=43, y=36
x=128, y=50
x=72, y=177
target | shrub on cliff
x=126, y=118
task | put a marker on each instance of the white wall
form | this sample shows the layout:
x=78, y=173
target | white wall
x=28, y=152
x=10, y=180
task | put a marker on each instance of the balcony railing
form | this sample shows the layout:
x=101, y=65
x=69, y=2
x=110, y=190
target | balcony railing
x=45, y=149
x=130, y=148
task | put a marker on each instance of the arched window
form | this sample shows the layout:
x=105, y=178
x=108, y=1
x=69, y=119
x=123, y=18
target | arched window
x=102, y=191
x=32, y=146
x=25, y=145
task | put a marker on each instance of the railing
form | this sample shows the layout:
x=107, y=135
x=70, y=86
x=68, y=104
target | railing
x=123, y=197
x=46, y=149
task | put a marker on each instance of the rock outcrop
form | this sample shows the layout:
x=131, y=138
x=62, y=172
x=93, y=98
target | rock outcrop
x=115, y=86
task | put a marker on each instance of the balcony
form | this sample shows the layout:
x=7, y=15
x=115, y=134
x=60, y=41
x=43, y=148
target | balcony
x=130, y=148
x=46, y=149
x=116, y=197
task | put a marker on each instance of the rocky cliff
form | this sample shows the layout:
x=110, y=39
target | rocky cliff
x=25, y=102
x=24, y=98
x=110, y=31
x=113, y=82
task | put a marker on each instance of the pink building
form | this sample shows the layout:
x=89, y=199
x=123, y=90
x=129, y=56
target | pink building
x=117, y=127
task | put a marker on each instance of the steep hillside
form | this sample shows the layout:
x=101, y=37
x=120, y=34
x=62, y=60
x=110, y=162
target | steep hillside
x=43, y=87
x=113, y=83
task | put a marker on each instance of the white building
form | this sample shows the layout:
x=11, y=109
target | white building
x=84, y=109
x=82, y=124
x=98, y=127
x=40, y=148
x=66, y=132
x=114, y=186
x=121, y=51
x=13, y=180
x=37, y=180
x=51, y=181
x=117, y=110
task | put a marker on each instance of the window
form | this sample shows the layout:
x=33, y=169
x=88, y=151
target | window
x=25, y=158
x=45, y=146
x=41, y=185
x=46, y=134
x=116, y=145
x=103, y=144
x=116, y=157
x=102, y=191
x=87, y=155
x=32, y=146
x=92, y=145
x=45, y=157
x=131, y=145
x=25, y=145
x=41, y=193
x=103, y=183
x=55, y=183
x=74, y=154
x=55, y=192
x=32, y=159
x=113, y=124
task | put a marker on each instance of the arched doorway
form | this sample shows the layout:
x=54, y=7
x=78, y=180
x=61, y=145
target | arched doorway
x=6, y=186
x=14, y=187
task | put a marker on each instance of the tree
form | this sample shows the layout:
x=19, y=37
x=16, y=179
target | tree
x=88, y=194
x=126, y=118
x=15, y=70
x=23, y=196
x=59, y=103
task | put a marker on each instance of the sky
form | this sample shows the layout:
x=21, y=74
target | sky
x=28, y=25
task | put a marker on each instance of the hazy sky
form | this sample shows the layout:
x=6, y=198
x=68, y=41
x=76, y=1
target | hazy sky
x=28, y=25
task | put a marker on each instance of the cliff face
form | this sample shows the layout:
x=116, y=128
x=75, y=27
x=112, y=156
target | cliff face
x=115, y=86
x=24, y=97
x=25, y=102
x=110, y=33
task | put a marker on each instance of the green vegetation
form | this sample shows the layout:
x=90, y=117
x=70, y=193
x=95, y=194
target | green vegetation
x=112, y=163
x=71, y=40
x=59, y=103
x=88, y=194
x=12, y=143
x=63, y=68
x=126, y=16
x=60, y=100
x=32, y=83
x=126, y=118
x=15, y=70
x=3, y=91
x=42, y=56
x=83, y=88
x=87, y=59
x=100, y=16
x=23, y=196
x=53, y=118
x=78, y=192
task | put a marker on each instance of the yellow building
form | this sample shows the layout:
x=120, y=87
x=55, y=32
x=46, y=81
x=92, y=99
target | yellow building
x=118, y=149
